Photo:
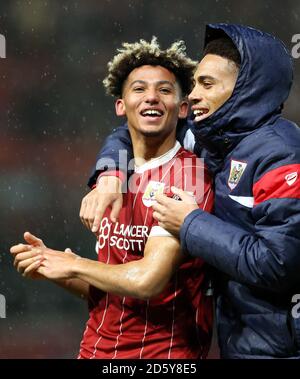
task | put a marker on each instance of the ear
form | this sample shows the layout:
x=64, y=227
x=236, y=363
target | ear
x=120, y=107
x=183, y=109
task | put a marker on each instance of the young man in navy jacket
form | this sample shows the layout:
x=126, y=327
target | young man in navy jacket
x=253, y=238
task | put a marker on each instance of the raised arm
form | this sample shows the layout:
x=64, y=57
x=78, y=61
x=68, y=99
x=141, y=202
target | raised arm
x=107, y=189
x=109, y=157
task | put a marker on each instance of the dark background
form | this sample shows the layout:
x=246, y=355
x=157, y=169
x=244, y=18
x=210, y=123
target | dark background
x=53, y=118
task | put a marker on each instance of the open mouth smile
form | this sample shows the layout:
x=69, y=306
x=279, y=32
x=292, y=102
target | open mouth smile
x=200, y=114
x=150, y=112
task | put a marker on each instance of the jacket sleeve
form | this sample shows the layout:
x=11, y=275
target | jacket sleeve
x=117, y=152
x=268, y=257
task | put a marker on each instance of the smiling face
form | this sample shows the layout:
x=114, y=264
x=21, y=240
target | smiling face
x=151, y=101
x=214, y=79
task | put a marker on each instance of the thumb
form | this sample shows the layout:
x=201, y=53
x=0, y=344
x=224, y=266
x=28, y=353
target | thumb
x=183, y=195
x=68, y=250
x=177, y=191
x=116, y=208
x=33, y=240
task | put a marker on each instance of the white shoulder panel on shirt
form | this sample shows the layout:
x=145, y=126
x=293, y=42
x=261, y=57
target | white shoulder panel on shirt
x=158, y=231
x=189, y=140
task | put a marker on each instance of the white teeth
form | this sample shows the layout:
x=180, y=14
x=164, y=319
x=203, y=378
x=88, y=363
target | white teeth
x=152, y=112
x=197, y=112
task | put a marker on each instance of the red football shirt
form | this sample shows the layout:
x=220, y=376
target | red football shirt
x=178, y=322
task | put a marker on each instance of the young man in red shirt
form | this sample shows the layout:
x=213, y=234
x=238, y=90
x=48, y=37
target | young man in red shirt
x=146, y=299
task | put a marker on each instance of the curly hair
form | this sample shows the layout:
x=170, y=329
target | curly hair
x=133, y=55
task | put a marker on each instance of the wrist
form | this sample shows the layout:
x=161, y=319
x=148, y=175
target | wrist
x=77, y=267
x=116, y=173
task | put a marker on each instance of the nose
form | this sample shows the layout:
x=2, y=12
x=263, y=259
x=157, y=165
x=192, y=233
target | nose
x=195, y=96
x=152, y=96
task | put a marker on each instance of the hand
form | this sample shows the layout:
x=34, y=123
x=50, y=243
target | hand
x=42, y=262
x=107, y=193
x=25, y=258
x=170, y=213
x=55, y=264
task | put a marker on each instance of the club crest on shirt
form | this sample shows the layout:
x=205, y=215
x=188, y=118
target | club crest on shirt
x=151, y=190
x=236, y=171
x=291, y=178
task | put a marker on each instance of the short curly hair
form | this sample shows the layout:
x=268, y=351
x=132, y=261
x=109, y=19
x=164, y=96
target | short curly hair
x=224, y=47
x=133, y=55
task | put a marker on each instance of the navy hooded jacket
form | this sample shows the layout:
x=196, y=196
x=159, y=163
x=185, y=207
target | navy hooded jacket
x=253, y=238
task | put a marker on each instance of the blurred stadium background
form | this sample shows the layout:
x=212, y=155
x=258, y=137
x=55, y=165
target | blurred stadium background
x=53, y=118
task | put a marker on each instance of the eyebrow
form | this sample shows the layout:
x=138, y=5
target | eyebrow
x=204, y=77
x=160, y=82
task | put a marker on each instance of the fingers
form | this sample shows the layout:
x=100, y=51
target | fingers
x=157, y=207
x=92, y=209
x=159, y=212
x=29, y=270
x=157, y=216
x=162, y=199
x=84, y=210
x=32, y=239
x=183, y=195
x=22, y=256
x=90, y=213
x=42, y=270
x=20, y=248
x=93, y=206
x=88, y=209
x=177, y=191
x=98, y=215
x=26, y=263
x=116, y=208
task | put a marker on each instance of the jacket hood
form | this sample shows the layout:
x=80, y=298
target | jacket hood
x=263, y=84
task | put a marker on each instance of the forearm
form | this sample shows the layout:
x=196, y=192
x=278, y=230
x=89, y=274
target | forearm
x=142, y=278
x=247, y=257
x=128, y=279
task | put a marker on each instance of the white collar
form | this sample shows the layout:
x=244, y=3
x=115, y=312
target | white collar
x=159, y=161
